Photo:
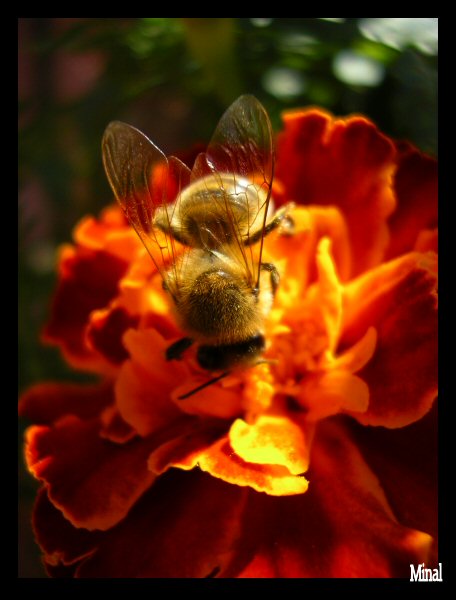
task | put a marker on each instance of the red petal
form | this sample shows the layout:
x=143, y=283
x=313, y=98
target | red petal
x=406, y=460
x=415, y=184
x=105, y=332
x=46, y=402
x=399, y=299
x=427, y=240
x=187, y=525
x=348, y=164
x=93, y=481
x=342, y=527
x=183, y=451
x=88, y=280
x=58, y=539
x=114, y=428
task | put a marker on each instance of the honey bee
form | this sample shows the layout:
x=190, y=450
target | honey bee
x=204, y=229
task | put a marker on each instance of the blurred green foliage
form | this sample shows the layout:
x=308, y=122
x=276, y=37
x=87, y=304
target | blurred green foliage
x=173, y=78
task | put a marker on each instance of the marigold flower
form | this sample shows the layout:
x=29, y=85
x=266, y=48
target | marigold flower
x=335, y=430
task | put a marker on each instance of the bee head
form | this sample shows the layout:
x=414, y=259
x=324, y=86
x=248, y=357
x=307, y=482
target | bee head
x=215, y=358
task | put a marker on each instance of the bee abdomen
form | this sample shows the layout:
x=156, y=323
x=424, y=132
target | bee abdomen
x=220, y=307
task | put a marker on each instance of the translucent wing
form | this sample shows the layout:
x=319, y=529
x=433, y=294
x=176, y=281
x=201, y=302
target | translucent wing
x=242, y=146
x=143, y=179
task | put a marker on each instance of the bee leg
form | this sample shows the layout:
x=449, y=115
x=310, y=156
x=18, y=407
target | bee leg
x=274, y=275
x=281, y=219
x=175, y=351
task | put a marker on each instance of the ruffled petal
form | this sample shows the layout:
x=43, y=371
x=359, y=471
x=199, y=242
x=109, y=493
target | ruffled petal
x=105, y=331
x=399, y=299
x=345, y=163
x=183, y=451
x=219, y=460
x=46, y=402
x=60, y=542
x=88, y=280
x=415, y=185
x=92, y=481
x=342, y=527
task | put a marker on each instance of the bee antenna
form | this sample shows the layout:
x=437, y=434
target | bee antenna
x=204, y=385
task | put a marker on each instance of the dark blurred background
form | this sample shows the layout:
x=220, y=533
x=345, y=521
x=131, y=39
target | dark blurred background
x=173, y=78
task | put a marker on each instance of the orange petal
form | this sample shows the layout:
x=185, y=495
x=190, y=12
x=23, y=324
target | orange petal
x=311, y=224
x=399, y=300
x=345, y=163
x=358, y=355
x=213, y=401
x=329, y=393
x=314, y=318
x=292, y=254
x=110, y=232
x=328, y=294
x=145, y=383
x=273, y=440
x=329, y=221
x=93, y=482
x=258, y=391
x=221, y=461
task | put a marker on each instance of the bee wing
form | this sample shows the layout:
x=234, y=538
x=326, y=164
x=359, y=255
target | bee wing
x=242, y=146
x=143, y=179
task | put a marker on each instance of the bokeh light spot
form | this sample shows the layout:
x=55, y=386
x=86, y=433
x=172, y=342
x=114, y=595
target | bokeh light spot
x=284, y=83
x=355, y=69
